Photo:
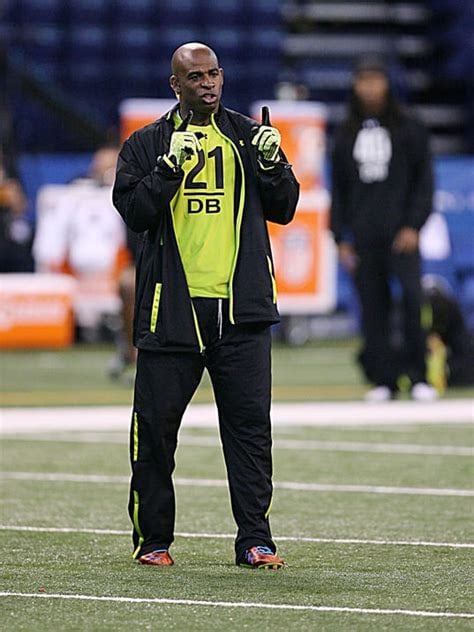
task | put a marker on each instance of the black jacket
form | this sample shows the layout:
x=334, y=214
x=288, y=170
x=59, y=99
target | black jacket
x=371, y=213
x=143, y=190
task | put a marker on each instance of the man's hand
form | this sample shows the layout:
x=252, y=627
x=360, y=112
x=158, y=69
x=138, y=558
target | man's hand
x=267, y=140
x=347, y=256
x=183, y=146
x=406, y=240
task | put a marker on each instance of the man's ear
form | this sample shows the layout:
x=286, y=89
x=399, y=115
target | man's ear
x=222, y=74
x=174, y=83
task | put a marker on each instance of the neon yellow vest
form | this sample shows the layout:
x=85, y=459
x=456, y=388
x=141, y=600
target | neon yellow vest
x=203, y=214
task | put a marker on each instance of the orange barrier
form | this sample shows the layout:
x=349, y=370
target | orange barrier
x=304, y=256
x=135, y=113
x=36, y=310
x=302, y=125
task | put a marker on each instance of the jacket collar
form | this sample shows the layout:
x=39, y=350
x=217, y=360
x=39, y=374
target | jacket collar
x=220, y=115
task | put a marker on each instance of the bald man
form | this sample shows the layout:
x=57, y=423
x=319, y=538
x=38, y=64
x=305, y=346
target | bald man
x=200, y=183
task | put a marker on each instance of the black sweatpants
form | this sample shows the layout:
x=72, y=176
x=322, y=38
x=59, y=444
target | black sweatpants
x=238, y=358
x=376, y=267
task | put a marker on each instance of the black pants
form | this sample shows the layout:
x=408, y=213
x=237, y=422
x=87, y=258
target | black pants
x=381, y=364
x=239, y=363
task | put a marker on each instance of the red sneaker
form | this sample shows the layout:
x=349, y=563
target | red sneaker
x=261, y=557
x=157, y=558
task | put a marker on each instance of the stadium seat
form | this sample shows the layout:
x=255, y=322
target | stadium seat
x=181, y=14
x=89, y=12
x=42, y=43
x=86, y=42
x=225, y=41
x=39, y=11
x=228, y=13
x=170, y=37
x=135, y=12
x=132, y=41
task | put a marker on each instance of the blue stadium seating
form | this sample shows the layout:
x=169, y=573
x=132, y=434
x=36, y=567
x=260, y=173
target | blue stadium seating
x=461, y=232
x=41, y=42
x=101, y=51
x=170, y=37
x=444, y=268
x=39, y=11
x=466, y=296
x=89, y=12
x=139, y=12
x=172, y=14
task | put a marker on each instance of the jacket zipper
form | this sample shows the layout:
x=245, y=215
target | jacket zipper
x=201, y=345
x=239, y=218
x=272, y=277
x=219, y=318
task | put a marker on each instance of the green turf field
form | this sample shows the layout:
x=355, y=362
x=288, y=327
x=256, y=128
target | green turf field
x=371, y=520
x=77, y=376
x=363, y=549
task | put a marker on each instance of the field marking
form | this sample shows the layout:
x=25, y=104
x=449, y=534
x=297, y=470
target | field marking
x=346, y=414
x=213, y=482
x=346, y=446
x=280, y=444
x=245, y=604
x=231, y=536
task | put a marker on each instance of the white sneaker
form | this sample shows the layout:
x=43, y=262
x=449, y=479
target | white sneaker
x=422, y=392
x=378, y=394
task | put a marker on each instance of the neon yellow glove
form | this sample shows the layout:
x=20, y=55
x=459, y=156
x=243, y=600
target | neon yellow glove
x=183, y=146
x=267, y=141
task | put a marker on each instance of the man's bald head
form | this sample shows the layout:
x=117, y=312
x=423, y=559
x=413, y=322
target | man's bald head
x=188, y=53
x=197, y=80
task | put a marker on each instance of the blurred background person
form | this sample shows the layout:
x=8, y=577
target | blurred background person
x=382, y=191
x=77, y=225
x=79, y=233
x=15, y=231
x=450, y=344
x=123, y=363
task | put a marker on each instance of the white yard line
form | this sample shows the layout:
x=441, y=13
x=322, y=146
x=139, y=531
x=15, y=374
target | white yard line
x=211, y=482
x=280, y=444
x=347, y=446
x=231, y=536
x=346, y=414
x=245, y=604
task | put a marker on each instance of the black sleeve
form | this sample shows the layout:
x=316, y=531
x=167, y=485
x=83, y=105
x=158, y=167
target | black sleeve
x=143, y=190
x=279, y=191
x=421, y=199
x=339, y=189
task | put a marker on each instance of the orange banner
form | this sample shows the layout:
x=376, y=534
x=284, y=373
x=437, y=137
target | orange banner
x=36, y=311
x=304, y=258
x=302, y=125
x=136, y=113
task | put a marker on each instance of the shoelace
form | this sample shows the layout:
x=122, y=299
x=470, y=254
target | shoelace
x=264, y=549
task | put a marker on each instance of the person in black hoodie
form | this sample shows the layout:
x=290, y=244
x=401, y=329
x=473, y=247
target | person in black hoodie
x=200, y=183
x=382, y=188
